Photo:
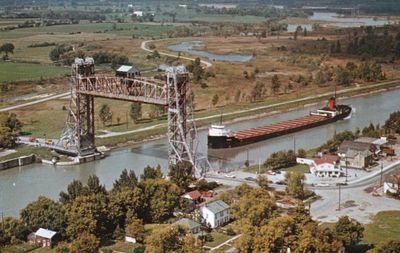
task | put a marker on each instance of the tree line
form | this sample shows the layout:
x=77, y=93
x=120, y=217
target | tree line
x=87, y=216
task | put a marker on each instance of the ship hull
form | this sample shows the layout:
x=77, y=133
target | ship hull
x=223, y=142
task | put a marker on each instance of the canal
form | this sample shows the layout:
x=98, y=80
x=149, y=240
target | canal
x=19, y=186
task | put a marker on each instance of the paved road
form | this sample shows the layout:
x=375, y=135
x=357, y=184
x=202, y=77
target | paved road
x=10, y=108
x=354, y=202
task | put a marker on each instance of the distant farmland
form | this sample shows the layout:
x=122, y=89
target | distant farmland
x=11, y=71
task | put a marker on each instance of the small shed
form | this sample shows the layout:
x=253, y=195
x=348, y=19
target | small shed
x=193, y=226
x=127, y=71
x=42, y=237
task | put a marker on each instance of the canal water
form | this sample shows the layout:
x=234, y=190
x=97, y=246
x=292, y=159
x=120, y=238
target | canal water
x=338, y=20
x=19, y=186
x=187, y=46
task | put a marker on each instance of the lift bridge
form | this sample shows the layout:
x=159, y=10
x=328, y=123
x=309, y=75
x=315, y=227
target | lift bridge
x=78, y=135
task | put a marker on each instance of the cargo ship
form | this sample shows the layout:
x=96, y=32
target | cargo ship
x=219, y=137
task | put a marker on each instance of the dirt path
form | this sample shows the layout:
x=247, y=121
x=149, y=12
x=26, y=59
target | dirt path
x=10, y=108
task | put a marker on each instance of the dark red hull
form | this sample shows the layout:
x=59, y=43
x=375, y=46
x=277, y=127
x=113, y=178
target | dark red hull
x=253, y=135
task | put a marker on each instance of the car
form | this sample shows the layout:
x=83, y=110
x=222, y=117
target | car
x=322, y=184
x=272, y=173
x=281, y=182
x=230, y=176
x=337, y=184
x=250, y=179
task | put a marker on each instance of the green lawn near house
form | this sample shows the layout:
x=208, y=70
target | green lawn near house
x=218, y=238
x=384, y=227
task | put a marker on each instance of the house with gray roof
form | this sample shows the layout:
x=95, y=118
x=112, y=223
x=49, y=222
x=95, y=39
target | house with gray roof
x=193, y=226
x=215, y=213
x=358, y=155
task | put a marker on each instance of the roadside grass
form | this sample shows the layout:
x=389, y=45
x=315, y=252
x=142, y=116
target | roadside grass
x=218, y=238
x=13, y=71
x=384, y=227
x=302, y=168
x=255, y=168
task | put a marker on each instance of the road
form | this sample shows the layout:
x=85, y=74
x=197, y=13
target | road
x=354, y=200
x=10, y=108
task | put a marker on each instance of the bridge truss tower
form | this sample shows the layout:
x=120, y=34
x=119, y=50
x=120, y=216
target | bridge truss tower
x=78, y=135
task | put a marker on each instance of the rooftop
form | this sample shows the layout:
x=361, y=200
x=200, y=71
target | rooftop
x=188, y=222
x=45, y=233
x=217, y=206
x=356, y=146
x=331, y=159
x=192, y=195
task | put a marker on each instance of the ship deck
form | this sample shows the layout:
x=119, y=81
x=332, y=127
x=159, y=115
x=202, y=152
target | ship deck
x=278, y=127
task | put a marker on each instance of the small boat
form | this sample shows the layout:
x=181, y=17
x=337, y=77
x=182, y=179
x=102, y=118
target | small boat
x=219, y=137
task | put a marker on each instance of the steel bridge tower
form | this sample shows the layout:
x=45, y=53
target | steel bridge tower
x=78, y=135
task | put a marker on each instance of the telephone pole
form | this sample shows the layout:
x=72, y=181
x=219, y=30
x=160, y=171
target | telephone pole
x=339, y=195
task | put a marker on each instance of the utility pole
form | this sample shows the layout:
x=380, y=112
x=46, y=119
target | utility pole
x=381, y=183
x=2, y=221
x=294, y=143
x=346, y=167
x=339, y=196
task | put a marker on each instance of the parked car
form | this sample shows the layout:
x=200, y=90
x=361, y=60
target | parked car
x=250, y=179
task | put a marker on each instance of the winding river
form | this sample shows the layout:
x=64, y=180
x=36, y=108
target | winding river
x=19, y=186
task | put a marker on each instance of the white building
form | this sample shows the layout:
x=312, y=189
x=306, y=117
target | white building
x=138, y=13
x=324, y=166
x=215, y=213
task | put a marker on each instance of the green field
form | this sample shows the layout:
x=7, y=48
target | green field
x=385, y=227
x=128, y=29
x=191, y=15
x=11, y=71
x=298, y=168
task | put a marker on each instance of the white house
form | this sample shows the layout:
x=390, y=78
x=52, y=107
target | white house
x=215, y=213
x=324, y=166
x=138, y=13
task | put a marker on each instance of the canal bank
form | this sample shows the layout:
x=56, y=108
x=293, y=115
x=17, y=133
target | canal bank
x=21, y=185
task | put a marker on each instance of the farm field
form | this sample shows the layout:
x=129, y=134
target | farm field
x=14, y=71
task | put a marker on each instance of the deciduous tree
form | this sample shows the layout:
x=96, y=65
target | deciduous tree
x=171, y=239
x=44, y=213
x=105, y=113
x=181, y=174
x=295, y=184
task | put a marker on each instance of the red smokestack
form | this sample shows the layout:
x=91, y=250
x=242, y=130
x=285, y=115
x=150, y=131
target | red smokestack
x=332, y=103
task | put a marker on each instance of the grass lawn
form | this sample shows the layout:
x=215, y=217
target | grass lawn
x=12, y=71
x=23, y=150
x=385, y=227
x=298, y=168
x=123, y=247
x=218, y=238
x=43, y=250
x=20, y=248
